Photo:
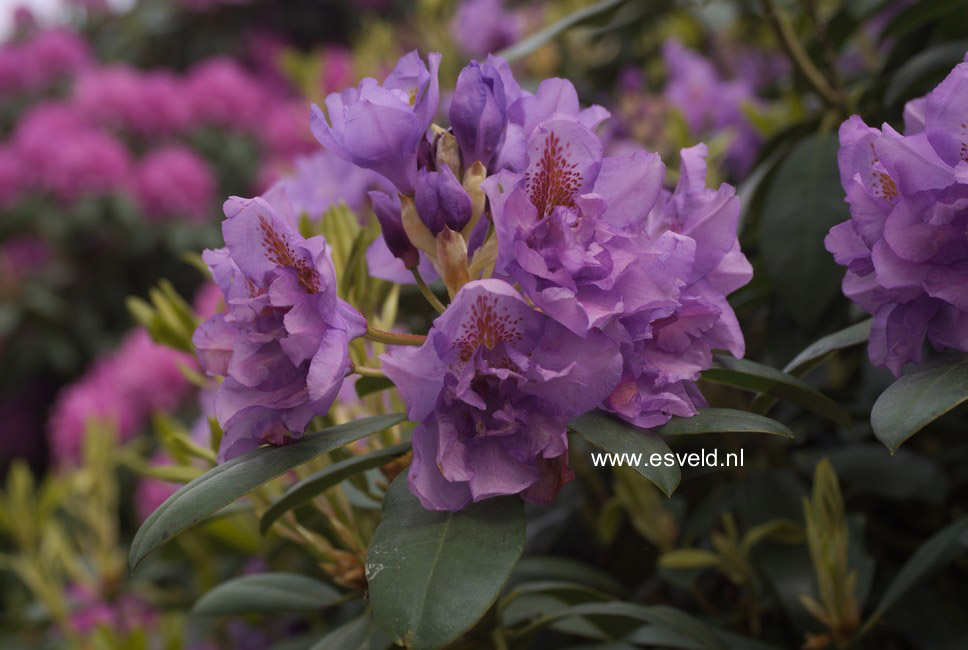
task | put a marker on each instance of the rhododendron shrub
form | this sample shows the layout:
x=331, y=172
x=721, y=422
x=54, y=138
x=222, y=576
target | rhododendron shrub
x=607, y=336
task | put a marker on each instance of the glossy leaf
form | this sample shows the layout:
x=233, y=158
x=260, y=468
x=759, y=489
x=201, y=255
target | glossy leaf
x=749, y=375
x=320, y=481
x=918, y=398
x=661, y=616
x=267, y=592
x=433, y=575
x=617, y=437
x=803, y=201
x=821, y=349
x=225, y=483
x=720, y=420
x=368, y=385
x=941, y=549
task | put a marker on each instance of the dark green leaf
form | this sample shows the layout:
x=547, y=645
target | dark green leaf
x=530, y=44
x=661, y=616
x=821, y=349
x=804, y=200
x=369, y=385
x=923, y=71
x=617, y=437
x=719, y=420
x=267, y=592
x=918, y=398
x=225, y=483
x=547, y=567
x=433, y=575
x=320, y=481
x=358, y=634
x=918, y=15
x=749, y=375
x=941, y=549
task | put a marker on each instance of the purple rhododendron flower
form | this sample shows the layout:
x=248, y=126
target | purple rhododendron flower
x=493, y=387
x=597, y=244
x=708, y=101
x=904, y=247
x=479, y=112
x=283, y=344
x=667, y=355
x=379, y=126
x=481, y=27
x=441, y=201
x=157, y=173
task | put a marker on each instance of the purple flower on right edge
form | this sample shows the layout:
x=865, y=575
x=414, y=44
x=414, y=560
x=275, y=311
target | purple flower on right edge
x=906, y=244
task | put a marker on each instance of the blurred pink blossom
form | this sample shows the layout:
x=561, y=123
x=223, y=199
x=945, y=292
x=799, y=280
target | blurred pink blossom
x=174, y=182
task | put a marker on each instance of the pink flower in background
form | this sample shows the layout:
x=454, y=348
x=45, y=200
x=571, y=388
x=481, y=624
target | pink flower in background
x=174, y=182
x=123, y=614
x=224, y=94
x=150, y=103
x=45, y=58
x=67, y=157
x=284, y=131
x=123, y=389
x=337, y=69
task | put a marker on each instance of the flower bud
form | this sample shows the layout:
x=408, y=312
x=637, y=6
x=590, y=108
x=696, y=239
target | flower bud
x=452, y=260
x=387, y=210
x=448, y=153
x=478, y=112
x=441, y=201
x=417, y=232
x=473, y=178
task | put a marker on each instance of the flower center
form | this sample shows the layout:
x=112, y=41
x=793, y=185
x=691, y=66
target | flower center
x=555, y=181
x=485, y=326
x=280, y=253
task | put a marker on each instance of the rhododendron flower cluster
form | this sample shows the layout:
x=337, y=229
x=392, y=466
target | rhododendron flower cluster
x=905, y=247
x=76, y=146
x=577, y=282
x=282, y=346
x=121, y=390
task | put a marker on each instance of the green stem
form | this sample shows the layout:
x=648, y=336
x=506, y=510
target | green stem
x=394, y=338
x=368, y=372
x=799, y=57
x=427, y=293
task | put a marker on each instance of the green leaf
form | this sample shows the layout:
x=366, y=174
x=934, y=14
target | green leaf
x=922, y=71
x=352, y=635
x=661, y=616
x=320, y=481
x=225, y=483
x=918, y=15
x=433, y=575
x=918, y=398
x=267, y=592
x=804, y=200
x=369, y=385
x=617, y=437
x=530, y=44
x=547, y=567
x=566, y=590
x=689, y=558
x=749, y=375
x=822, y=349
x=719, y=420
x=941, y=549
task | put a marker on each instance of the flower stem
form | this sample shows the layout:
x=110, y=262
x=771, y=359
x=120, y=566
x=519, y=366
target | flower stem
x=788, y=39
x=394, y=338
x=368, y=372
x=427, y=293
